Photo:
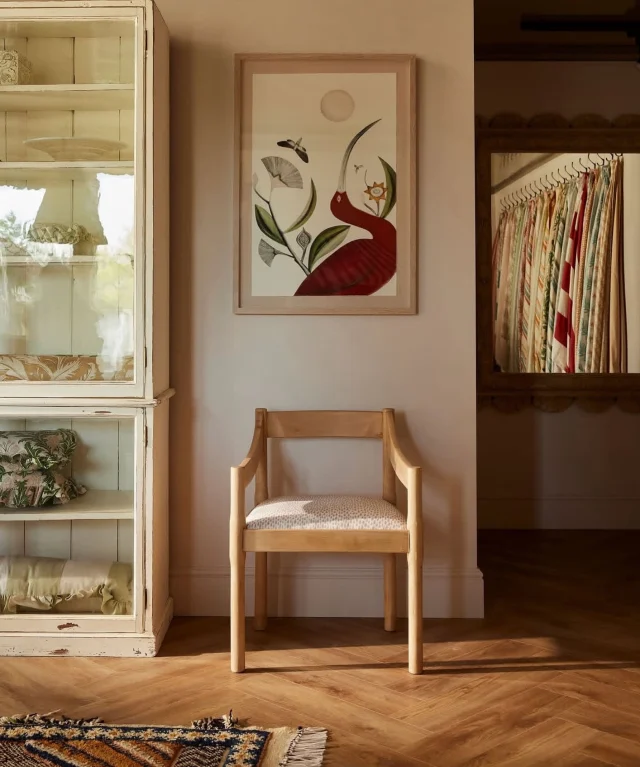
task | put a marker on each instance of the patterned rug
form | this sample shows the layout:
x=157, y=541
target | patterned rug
x=55, y=741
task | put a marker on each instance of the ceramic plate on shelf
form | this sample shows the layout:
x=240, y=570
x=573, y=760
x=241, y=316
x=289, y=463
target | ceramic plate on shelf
x=74, y=149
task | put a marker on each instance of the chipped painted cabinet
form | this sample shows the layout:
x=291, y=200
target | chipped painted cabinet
x=84, y=358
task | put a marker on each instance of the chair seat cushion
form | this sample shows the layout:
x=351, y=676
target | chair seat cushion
x=326, y=512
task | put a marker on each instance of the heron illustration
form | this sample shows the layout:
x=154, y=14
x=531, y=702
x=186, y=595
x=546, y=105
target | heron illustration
x=360, y=267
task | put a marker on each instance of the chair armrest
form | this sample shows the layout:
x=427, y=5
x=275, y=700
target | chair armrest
x=246, y=471
x=402, y=467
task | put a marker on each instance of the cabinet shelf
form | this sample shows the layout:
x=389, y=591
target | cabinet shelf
x=71, y=261
x=96, y=504
x=56, y=98
x=23, y=171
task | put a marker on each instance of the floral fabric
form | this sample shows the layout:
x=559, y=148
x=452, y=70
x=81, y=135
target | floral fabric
x=60, y=367
x=20, y=489
x=36, y=449
x=32, y=468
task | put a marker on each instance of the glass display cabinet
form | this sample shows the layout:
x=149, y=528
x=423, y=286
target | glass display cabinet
x=84, y=377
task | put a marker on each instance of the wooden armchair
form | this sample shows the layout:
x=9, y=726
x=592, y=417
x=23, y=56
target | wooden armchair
x=326, y=523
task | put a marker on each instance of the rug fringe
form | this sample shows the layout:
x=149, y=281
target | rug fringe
x=307, y=748
x=50, y=718
x=226, y=722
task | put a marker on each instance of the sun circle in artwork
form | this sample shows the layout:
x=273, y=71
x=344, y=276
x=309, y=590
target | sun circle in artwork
x=337, y=106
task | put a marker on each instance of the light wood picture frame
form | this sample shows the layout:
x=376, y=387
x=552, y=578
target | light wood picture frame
x=325, y=199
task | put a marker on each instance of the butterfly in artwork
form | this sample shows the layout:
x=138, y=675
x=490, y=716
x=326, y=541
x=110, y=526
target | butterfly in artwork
x=358, y=168
x=297, y=148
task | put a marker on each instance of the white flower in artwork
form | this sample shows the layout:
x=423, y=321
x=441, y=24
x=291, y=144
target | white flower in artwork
x=283, y=173
x=267, y=252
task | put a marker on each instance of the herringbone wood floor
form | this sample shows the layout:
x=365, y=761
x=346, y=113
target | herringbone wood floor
x=551, y=676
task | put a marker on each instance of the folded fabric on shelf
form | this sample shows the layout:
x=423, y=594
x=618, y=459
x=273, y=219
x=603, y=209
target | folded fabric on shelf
x=44, y=584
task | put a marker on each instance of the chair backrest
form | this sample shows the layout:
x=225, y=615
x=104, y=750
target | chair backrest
x=315, y=424
x=318, y=424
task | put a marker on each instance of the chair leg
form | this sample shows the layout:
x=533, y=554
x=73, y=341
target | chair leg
x=415, y=612
x=390, y=591
x=261, y=581
x=237, y=610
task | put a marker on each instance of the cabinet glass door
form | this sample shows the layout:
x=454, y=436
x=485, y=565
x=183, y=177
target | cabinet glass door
x=70, y=510
x=70, y=204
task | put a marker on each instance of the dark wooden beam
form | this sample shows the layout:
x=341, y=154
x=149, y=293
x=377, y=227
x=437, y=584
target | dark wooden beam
x=556, y=52
x=574, y=23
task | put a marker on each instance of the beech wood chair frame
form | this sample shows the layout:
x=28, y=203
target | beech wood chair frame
x=313, y=425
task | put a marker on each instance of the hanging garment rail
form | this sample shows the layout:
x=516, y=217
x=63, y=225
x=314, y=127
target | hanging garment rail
x=555, y=179
x=500, y=182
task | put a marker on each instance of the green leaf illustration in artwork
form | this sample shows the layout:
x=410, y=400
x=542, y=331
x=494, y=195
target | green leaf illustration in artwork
x=268, y=225
x=326, y=241
x=307, y=212
x=390, y=182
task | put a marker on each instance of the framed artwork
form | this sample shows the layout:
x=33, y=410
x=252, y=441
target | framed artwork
x=325, y=185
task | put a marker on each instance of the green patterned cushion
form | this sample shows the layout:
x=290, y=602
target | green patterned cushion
x=29, y=450
x=20, y=488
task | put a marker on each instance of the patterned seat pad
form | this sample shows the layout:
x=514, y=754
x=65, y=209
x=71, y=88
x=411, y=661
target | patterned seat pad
x=326, y=512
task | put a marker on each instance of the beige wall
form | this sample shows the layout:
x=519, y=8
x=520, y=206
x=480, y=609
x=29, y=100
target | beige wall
x=573, y=469
x=223, y=366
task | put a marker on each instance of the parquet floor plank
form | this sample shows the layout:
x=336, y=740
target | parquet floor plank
x=489, y=727
x=334, y=711
x=540, y=746
x=606, y=720
x=575, y=684
x=613, y=750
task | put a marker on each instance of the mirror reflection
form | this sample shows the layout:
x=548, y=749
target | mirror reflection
x=566, y=276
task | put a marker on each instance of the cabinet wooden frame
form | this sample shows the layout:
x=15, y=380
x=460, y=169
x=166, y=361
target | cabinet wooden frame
x=145, y=399
x=552, y=134
x=80, y=622
x=139, y=634
x=151, y=167
x=395, y=466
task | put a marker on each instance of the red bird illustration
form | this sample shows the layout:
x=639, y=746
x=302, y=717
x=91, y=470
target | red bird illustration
x=361, y=267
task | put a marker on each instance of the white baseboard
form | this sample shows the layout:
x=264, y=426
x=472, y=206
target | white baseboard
x=559, y=513
x=336, y=592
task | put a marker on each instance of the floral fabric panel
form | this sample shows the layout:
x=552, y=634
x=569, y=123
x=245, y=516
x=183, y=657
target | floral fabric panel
x=60, y=367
